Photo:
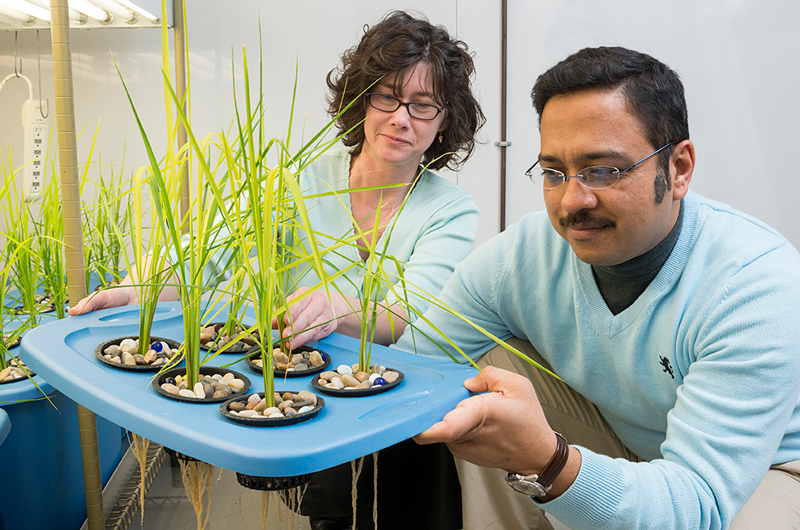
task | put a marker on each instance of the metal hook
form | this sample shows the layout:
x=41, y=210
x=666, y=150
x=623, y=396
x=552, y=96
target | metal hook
x=39, y=59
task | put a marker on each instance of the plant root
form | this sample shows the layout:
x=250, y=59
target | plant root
x=139, y=446
x=196, y=477
x=375, y=489
x=356, y=469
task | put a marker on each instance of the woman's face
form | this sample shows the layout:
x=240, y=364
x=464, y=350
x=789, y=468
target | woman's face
x=396, y=138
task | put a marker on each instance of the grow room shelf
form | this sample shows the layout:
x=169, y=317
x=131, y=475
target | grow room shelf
x=62, y=352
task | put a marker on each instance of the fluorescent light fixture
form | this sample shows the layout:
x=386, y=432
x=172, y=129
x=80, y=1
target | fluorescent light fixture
x=74, y=16
x=142, y=11
x=18, y=16
x=117, y=10
x=28, y=8
x=35, y=14
x=104, y=17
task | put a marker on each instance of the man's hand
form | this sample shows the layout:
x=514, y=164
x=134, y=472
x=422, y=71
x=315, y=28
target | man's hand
x=505, y=428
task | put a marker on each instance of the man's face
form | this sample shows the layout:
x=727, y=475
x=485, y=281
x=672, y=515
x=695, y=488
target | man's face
x=612, y=225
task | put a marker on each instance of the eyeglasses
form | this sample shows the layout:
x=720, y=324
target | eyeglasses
x=594, y=177
x=387, y=103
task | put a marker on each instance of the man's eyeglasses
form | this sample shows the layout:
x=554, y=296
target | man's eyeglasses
x=594, y=177
x=387, y=103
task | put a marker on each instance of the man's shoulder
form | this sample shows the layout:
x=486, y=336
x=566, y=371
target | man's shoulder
x=721, y=225
x=529, y=242
x=733, y=238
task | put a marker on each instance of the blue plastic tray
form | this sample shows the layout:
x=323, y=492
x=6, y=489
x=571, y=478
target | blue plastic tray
x=62, y=352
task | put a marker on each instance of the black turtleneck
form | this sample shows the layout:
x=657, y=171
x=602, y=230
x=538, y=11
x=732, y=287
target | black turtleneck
x=620, y=285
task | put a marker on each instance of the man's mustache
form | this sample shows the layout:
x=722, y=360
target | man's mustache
x=583, y=219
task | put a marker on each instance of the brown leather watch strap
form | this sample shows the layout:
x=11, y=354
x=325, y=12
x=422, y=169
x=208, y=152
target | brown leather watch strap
x=556, y=464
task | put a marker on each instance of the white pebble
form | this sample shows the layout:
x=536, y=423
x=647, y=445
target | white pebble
x=228, y=377
x=127, y=342
x=373, y=377
x=237, y=384
x=248, y=413
x=185, y=392
x=344, y=370
x=276, y=415
x=337, y=382
x=198, y=390
x=305, y=409
x=254, y=398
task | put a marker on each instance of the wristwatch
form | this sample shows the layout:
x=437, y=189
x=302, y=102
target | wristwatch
x=538, y=485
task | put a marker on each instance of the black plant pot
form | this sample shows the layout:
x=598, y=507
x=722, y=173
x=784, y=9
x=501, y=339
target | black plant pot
x=377, y=389
x=180, y=456
x=24, y=377
x=293, y=373
x=158, y=380
x=272, y=483
x=98, y=351
x=238, y=347
x=269, y=422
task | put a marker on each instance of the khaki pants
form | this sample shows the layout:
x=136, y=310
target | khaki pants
x=489, y=504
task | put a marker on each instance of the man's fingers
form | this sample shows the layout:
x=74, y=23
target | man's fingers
x=456, y=424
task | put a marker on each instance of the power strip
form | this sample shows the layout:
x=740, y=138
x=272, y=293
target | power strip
x=35, y=127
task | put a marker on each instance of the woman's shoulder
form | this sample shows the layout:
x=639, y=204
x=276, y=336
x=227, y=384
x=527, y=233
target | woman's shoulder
x=333, y=166
x=434, y=189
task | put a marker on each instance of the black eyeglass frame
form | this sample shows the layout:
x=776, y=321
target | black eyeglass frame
x=584, y=180
x=406, y=104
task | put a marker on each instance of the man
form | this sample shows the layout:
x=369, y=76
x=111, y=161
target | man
x=671, y=319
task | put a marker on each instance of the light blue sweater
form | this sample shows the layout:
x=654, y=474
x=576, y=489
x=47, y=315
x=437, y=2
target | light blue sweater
x=721, y=314
x=432, y=234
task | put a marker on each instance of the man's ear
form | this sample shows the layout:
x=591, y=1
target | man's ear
x=681, y=165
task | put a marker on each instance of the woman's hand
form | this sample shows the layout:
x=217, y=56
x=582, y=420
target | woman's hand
x=124, y=294
x=312, y=317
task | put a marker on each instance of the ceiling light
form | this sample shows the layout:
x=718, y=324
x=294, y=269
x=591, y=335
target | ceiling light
x=91, y=10
x=28, y=9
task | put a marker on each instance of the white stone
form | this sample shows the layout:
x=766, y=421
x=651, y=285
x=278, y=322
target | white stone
x=185, y=392
x=344, y=370
x=305, y=409
x=373, y=377
x=198, y=390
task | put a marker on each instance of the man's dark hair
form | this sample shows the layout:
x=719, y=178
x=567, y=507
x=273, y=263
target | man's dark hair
x=653, y=91
x=395, y=45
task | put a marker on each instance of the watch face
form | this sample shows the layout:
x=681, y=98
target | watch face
x=531, y=489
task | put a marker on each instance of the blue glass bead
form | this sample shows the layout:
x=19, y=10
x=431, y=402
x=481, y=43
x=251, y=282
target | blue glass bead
x=170, y=380
x=380, y=381
x=156, y=346
x=324, y=356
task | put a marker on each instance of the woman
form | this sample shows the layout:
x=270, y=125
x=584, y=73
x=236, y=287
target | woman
x=418, y=109
x=418, y=112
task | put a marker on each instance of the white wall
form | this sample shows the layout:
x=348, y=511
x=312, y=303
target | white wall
x=737, y=59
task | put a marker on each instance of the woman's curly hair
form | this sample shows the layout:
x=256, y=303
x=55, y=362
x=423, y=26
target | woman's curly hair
x=393, y=46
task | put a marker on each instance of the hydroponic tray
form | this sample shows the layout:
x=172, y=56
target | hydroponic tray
x=62, y=352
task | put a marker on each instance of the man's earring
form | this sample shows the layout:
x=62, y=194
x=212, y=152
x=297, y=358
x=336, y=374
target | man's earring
x=441, y=137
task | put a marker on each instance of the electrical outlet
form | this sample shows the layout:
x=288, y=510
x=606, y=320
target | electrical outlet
x=34, y=149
